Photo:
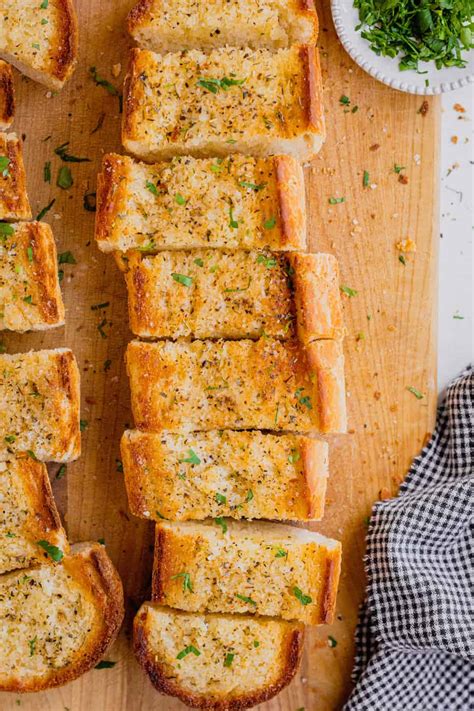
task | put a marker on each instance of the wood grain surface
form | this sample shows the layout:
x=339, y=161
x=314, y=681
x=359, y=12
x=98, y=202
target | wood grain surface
x=390, y=344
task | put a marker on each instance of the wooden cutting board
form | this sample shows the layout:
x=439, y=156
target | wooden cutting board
x=390, y=343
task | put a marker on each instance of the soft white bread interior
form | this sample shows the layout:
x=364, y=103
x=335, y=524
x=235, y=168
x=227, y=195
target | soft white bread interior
x=218, y=662
x=30, y=295
x=28, y=515
x=58, y=620
x=233, y=294
x=39, y=405
x=7, y=96
x=224, y=473
x=254, y=102
x=40, y=38
x=14, y=203
x=235, y=567
x=266, y=384
x=176, y=25
x=187, y=203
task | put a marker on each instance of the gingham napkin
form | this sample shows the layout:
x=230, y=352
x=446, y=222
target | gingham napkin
x=415, y=638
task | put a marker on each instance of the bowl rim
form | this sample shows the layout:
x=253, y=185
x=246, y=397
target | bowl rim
x=360, y=58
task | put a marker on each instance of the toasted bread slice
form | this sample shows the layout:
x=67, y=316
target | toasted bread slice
x=28, y=515
x=39, y=406
x=40, y=39
x=219, y=662
x=187, y=204
x=259, y=568
x=7, y=96
x=224, y=473
x=253, y=102
x=30, y=295
x=14, y=204
x=265, y=384
x=216, y=294
x=57, y=621
x=177, y=25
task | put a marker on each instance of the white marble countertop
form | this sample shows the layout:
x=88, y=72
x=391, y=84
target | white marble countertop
x=455, y=322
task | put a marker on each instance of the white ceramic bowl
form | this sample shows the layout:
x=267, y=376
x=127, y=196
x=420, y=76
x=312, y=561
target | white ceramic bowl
x=385, y=69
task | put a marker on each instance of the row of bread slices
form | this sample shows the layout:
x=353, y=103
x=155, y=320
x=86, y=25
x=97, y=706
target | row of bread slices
x=61, y=606
x=243, y=337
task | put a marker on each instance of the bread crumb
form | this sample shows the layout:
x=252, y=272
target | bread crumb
x=454, y=139
x=116, y=70
x=459, y=108
x=406, y=245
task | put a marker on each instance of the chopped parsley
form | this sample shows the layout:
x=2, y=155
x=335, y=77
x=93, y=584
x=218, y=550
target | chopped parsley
x=344, y=100
x=160, y=515
x=104, y=664
x=192, y=458
x=83, y=425
x=419, y=395
x=304, y=599
x=182, y=279
x=187, y=584
x=6, y=230
x=402, y=259
x=199, y=262
x=61, y=471
x=232, y=222
x=44, y=5
x=303, y=399
x=62, y=152
x=97, y=307
x=249, y=496
x=32, y=645
x=216, y=85
x=10, y=439
x=4, y=163
x=332, y=642
x=179, y=199
x=229, y=658
x=348, y=291
x=110, y=88
x=252, y=186
x=190, y=649
x=45, y=210
x=398, y=168
x=29, y=253
x=47, y=172
x=220, y=499
x=151, y=187
x=119, y=466
x=32, y=455
x=281, y=553
x=269, y=262
x=256, y=643
x=246, y=599
x=222, y=523
x=366, y=179
x=28, y=299
x=64, y=180
x=294, y=456
x=101, y=326
x=53, y=552
x=336, y=200
x=270, y=223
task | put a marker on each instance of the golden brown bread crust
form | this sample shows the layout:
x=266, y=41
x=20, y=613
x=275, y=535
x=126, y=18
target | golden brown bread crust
x=138, y=14
x=7, y=96
x=14, y=203
x=291, y=193
x=317, y=297
x=66, y=57
x=326, y=361
x=91, y=567
x=313, y=90
x=69, y=375
x=47, y=523
x=109, y=203
x=162, y=683
x=333, y=572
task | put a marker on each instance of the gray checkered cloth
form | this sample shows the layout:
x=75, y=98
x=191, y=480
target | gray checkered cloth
x=415, y=638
